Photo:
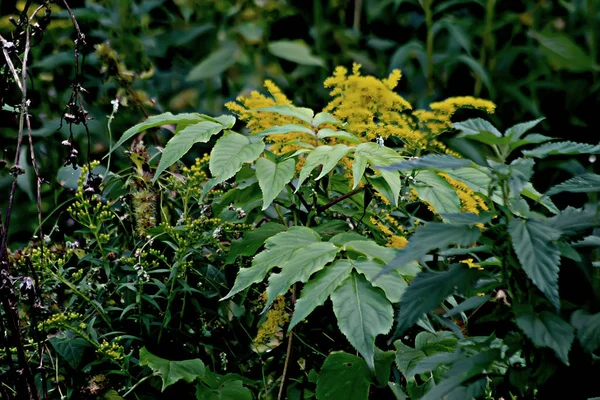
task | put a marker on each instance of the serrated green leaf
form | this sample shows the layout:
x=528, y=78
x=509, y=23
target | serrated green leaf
x=277, y=249
x=477, y=180
x=343, y=376
x=533, y=138
x=562, y=148
x=215, y=63
x=530, y=192
x=296, y=51
x=584, y=183
x=588, y=329
x=183, y=141
x=476, y=126
x=328, y=156
x=249, y=244
x=299, y=266
x=547, y=330
x=362, y=313
x=467, y=218
x=433, y=161
x=516, y=131
x=573, y=220
x=521, y=171
x=283, y=129
x=393, y=284
x=319, y=288
x=428, y=290
x=324, y=118
x=303, y=114
x=155, y=121
x=469, y=304
x=172, y=371
x=435, y=190
x=533, y=242
x=69, y=346
x=230, y=153
x=327, y=132
x=222, y=387
x=273, y=177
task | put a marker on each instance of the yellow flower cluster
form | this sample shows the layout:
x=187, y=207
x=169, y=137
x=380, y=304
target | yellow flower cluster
x=276, y=318
x=196, y=176
x=472, y=264
x=395, y=239
x=470, y=201
x=59, y=320
x=112, y=351
x=89, y=211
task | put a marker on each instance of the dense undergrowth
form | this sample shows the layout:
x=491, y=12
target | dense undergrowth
x=353, y=236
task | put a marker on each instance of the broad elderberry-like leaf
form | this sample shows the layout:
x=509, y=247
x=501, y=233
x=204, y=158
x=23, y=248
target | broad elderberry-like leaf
x=230, y=153
x=277, y=249
x=272, y=177
x=436, y=190
x=533, y=242
x=362, y=313
x=343, y=376
x=172, y=371
x=547, y=330
x=328, y=156
x=319, y=288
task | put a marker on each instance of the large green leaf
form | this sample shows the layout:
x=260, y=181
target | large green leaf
x=273, y=177
x=573, y=220
x=343, y=376
x=392, y=178
x=216, y=63
x=533, y=242
x=222, y=387
x=584, y=183
x=249, y=244
x=328, y=156
x=303, y=114
x=563, y=53
x=172, y=371
x=516, y=131
x=433, y=161
x=324, y=118
x=183, y=141
x=435, y=190
x=547, y=330
x=358, y=168
x=428, y=290
x=588, y=329
x=277, y=249
x=521, y=171
x=283, y=129
x=69, y=346
x=296, y=51
x=562, y=148
x=299, y=266
x=319, y=288
x=327, y=132
x=378, y=156
x=230, y=153
x=158, y=120
x=393, y=284
x=480, y=130
x=362, y=313
x=477, y=180
x=370, y=249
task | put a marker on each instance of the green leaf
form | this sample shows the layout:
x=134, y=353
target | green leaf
x=533, y=242
x=533, y=138
x=437, y=191
x=273, y=177
x=216, y=63
x=299, y=266
x=343, y=376
x=230, y=153
x=562, y=148
x=378, y=156
x=467, y=218
x=383, y=365
x=358, y=168
x=183, y=141
x=563, y=53
x=172, y=371
x=69, y=346
x=573, y=220
x=433, y=161
x=393, y=284
x=428, y=290
x=362, y=313
x=521, y=171
x=327, y=132
x=319, y=288
x=530, y=192
x=303, y=114
x=516, y=131
x=584, y=183
x=547, y=330
x=222, y=387
x=469, y=304
x=277, y=249
x=155, y=121
x=324, y=118
x=328, y=156
x=111, y=394
x=588, y=329
x=296, y=51
x=370, y=249
x=392, y=178
x=476, y=127
x=249, y=244
x=283, y=129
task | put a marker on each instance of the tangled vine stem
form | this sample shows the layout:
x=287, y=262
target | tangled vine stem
x=22, y=374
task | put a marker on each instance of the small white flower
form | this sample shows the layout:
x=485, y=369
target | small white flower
x=379, y=141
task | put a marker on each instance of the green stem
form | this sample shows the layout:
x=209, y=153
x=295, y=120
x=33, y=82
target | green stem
x=429, y=44
x=487, y=43
x=144, y=379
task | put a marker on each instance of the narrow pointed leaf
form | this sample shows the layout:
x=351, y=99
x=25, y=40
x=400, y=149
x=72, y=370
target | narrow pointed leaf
x=562, y=148
x=328, y=156
x=516, y=131
x=273, y=177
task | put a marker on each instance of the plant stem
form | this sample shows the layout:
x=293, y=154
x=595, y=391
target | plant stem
x=487, y=42
x=429, y=44
x=302, y=199
x=340, y=198
x=288, y=353
x=357, y=12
